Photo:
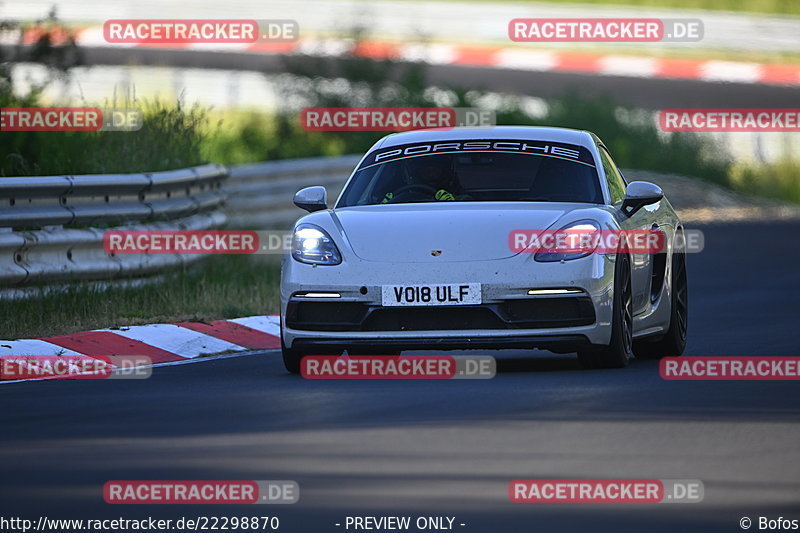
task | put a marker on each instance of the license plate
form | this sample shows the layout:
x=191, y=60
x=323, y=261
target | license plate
x=443, y=294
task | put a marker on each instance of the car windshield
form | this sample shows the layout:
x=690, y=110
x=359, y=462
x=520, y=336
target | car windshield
x=475, y=171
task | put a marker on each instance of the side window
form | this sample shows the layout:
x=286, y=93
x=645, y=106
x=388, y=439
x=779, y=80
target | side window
x=616, y=184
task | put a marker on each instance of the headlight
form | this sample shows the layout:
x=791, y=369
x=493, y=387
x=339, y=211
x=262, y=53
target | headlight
x=311, y=244
x=578, y=245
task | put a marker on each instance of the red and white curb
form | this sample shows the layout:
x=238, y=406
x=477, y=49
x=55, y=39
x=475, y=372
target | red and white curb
x=162, y=343
x=514, y=58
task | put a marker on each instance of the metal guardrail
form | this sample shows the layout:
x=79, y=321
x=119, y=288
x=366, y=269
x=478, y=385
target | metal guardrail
x=51, y=228
x=260, y=195
x=109, y=199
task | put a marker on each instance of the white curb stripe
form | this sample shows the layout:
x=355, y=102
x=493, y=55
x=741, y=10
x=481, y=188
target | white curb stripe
x=730, y=71
x=33, y=347
x=185, y=343
x=628, y=66
x=175, y=339
x=219, y=47
x=527, y=60
x=266, y=324
x=433, y=54
x=317, y=47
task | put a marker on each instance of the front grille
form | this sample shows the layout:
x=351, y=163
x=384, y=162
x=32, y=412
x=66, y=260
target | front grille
x=431, y=318
x=325, y=316
x=559, y=312
x=548, y=312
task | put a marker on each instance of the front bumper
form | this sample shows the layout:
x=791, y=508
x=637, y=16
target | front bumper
x=521, y=313
x=508, y=317
x=557, y=343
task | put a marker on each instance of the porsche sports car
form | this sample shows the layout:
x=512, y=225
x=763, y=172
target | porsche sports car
x=415, y=254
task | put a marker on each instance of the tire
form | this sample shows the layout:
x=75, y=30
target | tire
x=620, y=349
x=291, y=358
x=673, y=342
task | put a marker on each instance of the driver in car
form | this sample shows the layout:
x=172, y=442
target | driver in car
x=429, y=178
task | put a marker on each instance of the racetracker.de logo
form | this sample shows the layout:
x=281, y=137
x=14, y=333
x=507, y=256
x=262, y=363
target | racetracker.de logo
x=398, y=367
x=393, y=118
x=181, y=242
x=587, y=240
x=730, y=368
x=201, y=492
x=70, y=119
x=605, y=30
x=606, y=491
x=19, y=367
x=194, y=242
x=195, y=31
x=730, y=120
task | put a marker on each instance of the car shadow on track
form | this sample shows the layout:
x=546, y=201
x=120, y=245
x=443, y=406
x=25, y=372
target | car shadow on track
x=521, y=361
x=537, y=363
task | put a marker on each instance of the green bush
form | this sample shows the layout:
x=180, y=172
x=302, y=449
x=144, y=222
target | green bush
x=636, y=142
x=171, y=137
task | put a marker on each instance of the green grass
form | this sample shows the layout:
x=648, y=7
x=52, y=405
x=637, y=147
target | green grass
x=221, y=287
x=171, y=137
x=249, y=136
x=780, y=180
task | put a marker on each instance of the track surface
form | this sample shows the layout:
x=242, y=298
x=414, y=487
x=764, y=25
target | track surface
x=646, y=93
x=445, y=448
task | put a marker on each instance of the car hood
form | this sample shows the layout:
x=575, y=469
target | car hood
x=413, y=233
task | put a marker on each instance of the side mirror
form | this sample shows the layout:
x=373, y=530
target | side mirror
x=639, y=194
x=311, y=199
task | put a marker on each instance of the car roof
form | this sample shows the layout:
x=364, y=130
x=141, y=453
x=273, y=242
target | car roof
x=525, y=133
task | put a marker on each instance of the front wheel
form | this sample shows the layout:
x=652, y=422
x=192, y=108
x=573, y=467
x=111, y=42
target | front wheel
x=619, y=351
x=674, y=340
x=291, y=358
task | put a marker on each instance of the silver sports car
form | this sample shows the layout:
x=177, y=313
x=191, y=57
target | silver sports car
x=429, y=248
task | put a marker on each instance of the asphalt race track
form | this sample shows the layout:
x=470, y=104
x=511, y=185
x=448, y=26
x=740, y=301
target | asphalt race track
x=446, y=448
x=645, y=93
